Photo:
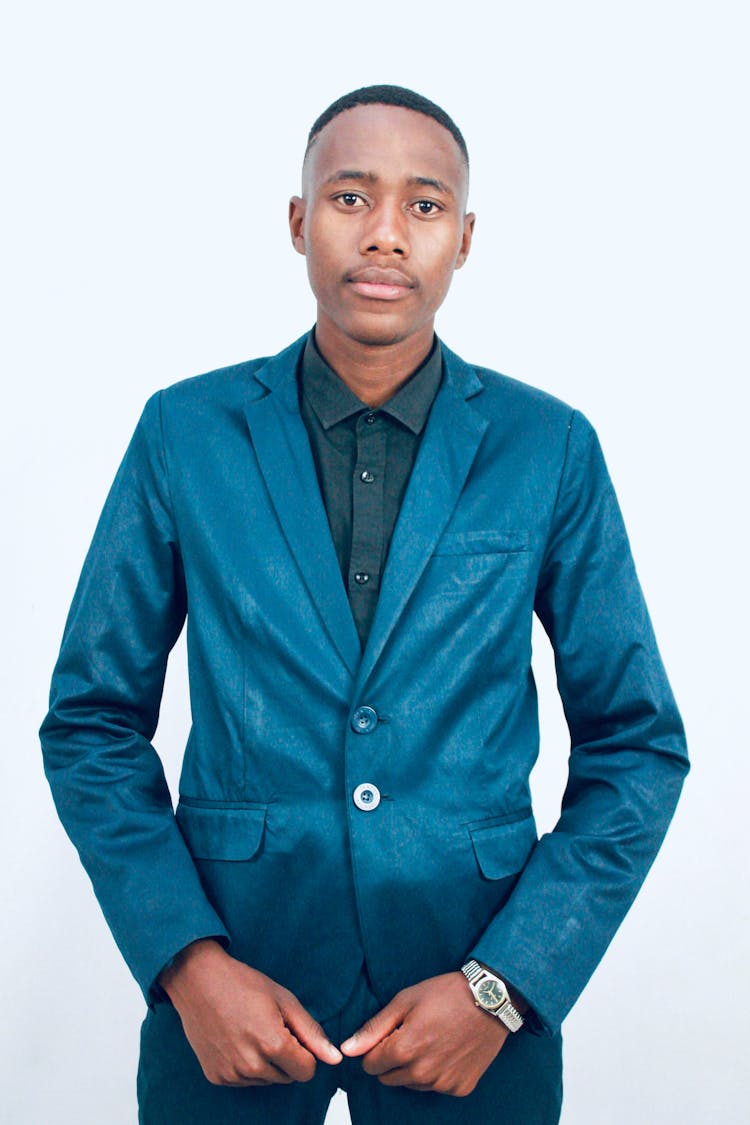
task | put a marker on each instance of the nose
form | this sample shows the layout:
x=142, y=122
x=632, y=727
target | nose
x=386, y=231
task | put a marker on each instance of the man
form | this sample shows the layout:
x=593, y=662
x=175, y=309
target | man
x=359, y=531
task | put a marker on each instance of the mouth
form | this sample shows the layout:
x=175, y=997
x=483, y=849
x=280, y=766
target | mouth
x=380, y=284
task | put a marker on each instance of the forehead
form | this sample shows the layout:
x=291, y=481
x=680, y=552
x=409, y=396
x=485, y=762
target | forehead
x=389, y=141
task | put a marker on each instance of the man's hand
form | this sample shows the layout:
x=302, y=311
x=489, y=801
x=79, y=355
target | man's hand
x=431, y=1036
x=245, y=1029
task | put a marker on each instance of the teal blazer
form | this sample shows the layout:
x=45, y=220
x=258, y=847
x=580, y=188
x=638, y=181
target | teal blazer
x=216, y=517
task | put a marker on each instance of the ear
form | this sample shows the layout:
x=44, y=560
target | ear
x=297, y=223
x=463, y=253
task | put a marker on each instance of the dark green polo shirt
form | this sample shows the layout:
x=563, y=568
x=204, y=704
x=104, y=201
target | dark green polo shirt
x=363, y=459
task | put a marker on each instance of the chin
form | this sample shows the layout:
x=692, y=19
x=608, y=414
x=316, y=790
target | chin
x=379, y=331
x=378, y=338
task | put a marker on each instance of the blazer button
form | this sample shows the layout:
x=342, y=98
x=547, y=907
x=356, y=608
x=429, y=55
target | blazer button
x=364, y=720
x=367, y=796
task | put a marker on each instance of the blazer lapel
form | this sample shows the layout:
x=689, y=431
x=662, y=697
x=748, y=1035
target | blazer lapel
x=285, y=458
x=449, y=445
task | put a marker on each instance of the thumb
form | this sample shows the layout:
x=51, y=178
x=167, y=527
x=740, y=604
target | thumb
x=308, y=1031
x=376, y=1028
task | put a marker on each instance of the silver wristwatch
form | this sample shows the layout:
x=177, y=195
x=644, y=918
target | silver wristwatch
x=491, y=994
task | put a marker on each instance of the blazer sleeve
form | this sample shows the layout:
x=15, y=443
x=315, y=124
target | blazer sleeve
x=106, y=778
x=628, y=756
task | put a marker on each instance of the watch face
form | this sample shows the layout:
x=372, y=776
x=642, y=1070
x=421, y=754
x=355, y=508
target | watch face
x=490, y=994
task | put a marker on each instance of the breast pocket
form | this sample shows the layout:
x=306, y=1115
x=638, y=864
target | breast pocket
x=470, y=563
x=491, y=542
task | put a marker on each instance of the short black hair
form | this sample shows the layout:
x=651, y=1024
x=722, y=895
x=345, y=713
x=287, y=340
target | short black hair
x=389, y=95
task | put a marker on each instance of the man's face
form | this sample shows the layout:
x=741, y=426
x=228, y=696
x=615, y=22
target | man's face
x=381, y=222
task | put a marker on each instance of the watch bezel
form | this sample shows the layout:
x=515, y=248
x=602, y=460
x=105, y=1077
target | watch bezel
x=489, y=979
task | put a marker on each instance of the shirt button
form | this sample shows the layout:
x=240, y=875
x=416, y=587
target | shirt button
x=367, y=476
x=367, y=796
x=370, y=418
x=362, y=579
x=364, y=720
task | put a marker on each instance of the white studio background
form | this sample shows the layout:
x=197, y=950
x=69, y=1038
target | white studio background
x=149, y=152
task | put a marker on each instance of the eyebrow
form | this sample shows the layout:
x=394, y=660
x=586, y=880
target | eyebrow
x=352, y=174
x=370, y=178
x=430, y=181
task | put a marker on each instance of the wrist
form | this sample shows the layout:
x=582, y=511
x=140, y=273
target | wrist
x=190, y=964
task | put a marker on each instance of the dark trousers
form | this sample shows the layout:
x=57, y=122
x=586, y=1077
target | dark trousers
x=522, y=1086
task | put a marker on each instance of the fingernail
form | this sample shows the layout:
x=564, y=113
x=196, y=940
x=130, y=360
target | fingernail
x=349, y=1043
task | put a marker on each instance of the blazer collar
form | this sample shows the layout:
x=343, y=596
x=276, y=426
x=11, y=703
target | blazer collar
x=286, y=463
x=449, y=445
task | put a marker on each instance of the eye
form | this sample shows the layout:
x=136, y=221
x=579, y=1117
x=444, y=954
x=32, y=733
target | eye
x=427, y=207
x=350, y=199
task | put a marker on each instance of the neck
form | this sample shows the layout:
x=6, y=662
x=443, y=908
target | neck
x=373, y=372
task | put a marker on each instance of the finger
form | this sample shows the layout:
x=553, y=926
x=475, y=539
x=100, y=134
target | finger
x=307, y=1031
x=388, y=1054
x=294, y=1059
x=373, y=1030
x=401, y=1076
x=242, y=1082
x=275, y=1075
x=266, y=1074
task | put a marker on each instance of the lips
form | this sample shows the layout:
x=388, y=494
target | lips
x=381, y=284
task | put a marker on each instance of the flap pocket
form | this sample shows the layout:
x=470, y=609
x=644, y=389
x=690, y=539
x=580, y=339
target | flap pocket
x=503, y=849
x=221, y=833
x=489, y=542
